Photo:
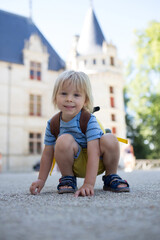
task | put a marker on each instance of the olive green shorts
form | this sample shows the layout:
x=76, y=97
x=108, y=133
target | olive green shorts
x=80, y=163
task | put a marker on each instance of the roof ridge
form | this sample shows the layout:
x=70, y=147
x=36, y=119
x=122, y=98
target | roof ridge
x=16, y=14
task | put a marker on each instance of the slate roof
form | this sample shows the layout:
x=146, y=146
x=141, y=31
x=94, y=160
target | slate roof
x=14, y=30
x=91, y=38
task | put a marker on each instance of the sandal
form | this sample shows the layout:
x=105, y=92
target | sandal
x=112, y=181
x=69, y=181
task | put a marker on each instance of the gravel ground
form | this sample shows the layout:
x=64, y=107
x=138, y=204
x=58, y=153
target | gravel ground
x=107, y=215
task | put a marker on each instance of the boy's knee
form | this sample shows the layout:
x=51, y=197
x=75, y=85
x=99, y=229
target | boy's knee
x=109, y=141
x=64, y=142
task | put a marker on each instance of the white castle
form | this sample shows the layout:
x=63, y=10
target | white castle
x=29, y=67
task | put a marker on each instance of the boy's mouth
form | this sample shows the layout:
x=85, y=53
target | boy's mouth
x=69, y=107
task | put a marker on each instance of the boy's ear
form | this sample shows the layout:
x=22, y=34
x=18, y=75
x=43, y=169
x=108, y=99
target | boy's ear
x=86, y=102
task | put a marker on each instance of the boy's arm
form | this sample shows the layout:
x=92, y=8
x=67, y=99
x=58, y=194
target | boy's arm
x=45, y=166
x=46, y=162
x=93, y=152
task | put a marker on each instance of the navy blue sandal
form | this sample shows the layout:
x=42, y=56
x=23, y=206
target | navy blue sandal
x=69, y=181
x=112, y=181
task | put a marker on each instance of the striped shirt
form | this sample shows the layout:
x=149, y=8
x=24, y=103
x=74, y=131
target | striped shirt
x=73, y=127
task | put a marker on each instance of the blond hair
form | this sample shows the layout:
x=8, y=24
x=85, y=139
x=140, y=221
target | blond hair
x=80, y=80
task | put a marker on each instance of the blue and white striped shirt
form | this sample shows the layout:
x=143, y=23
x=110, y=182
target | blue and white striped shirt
x=73, y=127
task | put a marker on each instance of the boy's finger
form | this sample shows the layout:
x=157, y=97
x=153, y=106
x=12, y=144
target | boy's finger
x=77, y=193
x=38, y=189
x=83, y=192
x=87, y=191
x=80, y=192
x=33, y=189
x=92, y=192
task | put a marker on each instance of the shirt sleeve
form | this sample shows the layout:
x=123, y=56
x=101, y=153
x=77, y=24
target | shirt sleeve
x=49, y=139
x=93, y=129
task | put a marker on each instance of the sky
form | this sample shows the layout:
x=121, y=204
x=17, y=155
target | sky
x=60, y=20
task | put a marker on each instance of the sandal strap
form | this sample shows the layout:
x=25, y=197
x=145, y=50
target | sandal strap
x=70, y=181
x=113, y=180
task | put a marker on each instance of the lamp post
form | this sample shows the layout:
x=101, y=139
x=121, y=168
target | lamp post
x=8, y=118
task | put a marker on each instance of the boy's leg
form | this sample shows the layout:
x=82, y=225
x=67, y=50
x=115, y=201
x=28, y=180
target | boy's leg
x=110, y=151
x=65, y=150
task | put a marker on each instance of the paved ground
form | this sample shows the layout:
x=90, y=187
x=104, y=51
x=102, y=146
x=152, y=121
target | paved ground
x=107, y=215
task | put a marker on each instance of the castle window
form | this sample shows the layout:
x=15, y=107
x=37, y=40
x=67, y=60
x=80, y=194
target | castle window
x=35, y=105
x=35, y=70
x=111, y=89
x=103, y=61
x=112, y=102
x=112, y=61
x=114, y=130
x=113, y=117
x=85, y=62
x=94, y=61
x=35, y=143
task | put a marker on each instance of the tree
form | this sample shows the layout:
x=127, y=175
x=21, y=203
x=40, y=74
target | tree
x=143, y=92
x=141, y=147
x=148, y=47
x=151, y=125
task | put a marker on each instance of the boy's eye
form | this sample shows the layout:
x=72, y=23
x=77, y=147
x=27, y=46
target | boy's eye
x=77, y=95
x=63, y=93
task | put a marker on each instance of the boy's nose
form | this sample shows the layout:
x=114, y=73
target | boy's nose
x=69, y=98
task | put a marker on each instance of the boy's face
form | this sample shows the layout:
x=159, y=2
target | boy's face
x=70, y=101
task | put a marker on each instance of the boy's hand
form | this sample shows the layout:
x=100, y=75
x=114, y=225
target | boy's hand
x=36, y=186
x=85, y=190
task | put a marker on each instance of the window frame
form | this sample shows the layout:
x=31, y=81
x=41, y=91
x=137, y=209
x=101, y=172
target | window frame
x=112, y=102
x=35, y=71
x=114, y=130
x=35, y=105
x=94, y=61
x=35, y=143
x=113, y=117
x=112, y=61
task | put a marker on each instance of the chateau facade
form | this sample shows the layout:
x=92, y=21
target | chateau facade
x=28, y=69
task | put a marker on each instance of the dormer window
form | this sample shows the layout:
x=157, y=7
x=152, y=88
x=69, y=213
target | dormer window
x=112, y=61
x=35, y=71
x=94, y=61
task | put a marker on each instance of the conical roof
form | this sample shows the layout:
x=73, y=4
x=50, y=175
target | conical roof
x=91, y=38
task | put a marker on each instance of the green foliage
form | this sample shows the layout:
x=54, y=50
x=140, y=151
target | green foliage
x=142, y=93
x=151, y=124
x=141, y=147
x=148, y=47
